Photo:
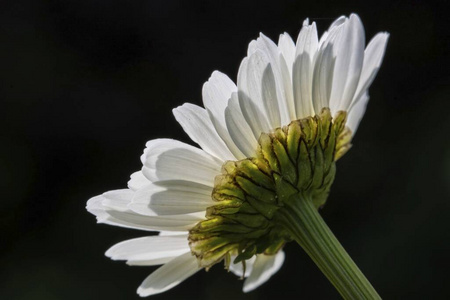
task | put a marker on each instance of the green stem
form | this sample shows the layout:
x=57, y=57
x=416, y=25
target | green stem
x=307, y=227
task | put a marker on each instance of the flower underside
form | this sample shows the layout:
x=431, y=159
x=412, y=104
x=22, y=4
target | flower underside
x=297, y=159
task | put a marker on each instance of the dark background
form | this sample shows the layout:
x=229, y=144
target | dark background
x=84, y=84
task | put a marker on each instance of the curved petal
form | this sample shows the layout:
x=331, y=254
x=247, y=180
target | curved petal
x=269, y=97
x=323, y=69
x=287, y=48
x=216, y=92
x=263, y=268
x=112, y=208
x=169, y=275
x=357, y=112
x=239, y=129
x=166, y=159
x=172, y=198
x=373, y=56
x=349, y=53
x=150, y=250
x=307, y=44
x=338, y=22
x=197, y=124
x=250, y=100
x=282, y=74
x=137, y=181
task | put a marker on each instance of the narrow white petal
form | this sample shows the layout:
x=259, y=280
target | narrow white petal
x=323, y=69
x=269, y=97
x=167, y=159
x=250, y=99
x=169, y=275
x=307, y=41
x=168, y=233
x=373, y=56
x=338, y=22
x=307, y=44
x=239, y=129
x=238, y=269
x=137, y=181
x=172, y=198
x=322, y=78
x=356, y=113
x=287, y=48
x=349, y=52
x=152, y=262
x=150, y=250
x=263, y=268
x=197, y=124
x=117, y=199
x=216, y=93
x=282, y=74
x=112, y=208
x=287, y=108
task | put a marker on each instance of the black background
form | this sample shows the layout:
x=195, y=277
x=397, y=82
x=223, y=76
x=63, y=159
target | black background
x=84, y=84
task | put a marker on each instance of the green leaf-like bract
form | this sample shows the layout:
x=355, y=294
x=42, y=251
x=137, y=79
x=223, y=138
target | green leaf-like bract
x=296, y=159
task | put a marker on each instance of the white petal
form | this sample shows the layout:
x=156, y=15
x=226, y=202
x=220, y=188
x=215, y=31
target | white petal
x=269, y=97
x=168, y=233
x=349, y=51
x=167, y=159
x=357, y=112
x=307, y=41
x=137, y=181
x=250, y=99
x=197, y=124
x=112, y=208
x=238, y=269
x=216, y=93
x=169, y=275
x=287, y=48
x=373, y=56
x=287, y=108
x=239, y=129
x=150, y=250
x=338, y=22
x=307, y=44
x=323, y=70
x=117, y=199
x=273, y=55
x=263, y=268
x=172, y=198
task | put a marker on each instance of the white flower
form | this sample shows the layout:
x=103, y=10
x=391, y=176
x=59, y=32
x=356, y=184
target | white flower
x=276, y=84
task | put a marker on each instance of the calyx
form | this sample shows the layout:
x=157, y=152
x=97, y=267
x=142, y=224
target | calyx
x=296, y=159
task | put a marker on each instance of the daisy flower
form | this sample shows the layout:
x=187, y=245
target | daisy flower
x=266, y=162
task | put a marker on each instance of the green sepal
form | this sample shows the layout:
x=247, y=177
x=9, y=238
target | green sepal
x=296, y=161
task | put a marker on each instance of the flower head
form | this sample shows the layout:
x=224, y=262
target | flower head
x=278, y=132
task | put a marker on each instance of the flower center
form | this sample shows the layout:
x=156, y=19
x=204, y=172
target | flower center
x=298, y=159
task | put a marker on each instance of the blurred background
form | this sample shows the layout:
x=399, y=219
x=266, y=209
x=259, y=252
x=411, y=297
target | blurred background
x=84, y=84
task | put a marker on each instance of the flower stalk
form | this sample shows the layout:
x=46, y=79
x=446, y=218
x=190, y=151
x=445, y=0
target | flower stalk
x=302, y=220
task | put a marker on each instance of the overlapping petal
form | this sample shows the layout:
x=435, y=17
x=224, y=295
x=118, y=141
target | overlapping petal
x=169, y=275
x=172, y=197
x=166, y=159
x=263, y=268
x=112, y=208
x=150, y=250
x=198, y=125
